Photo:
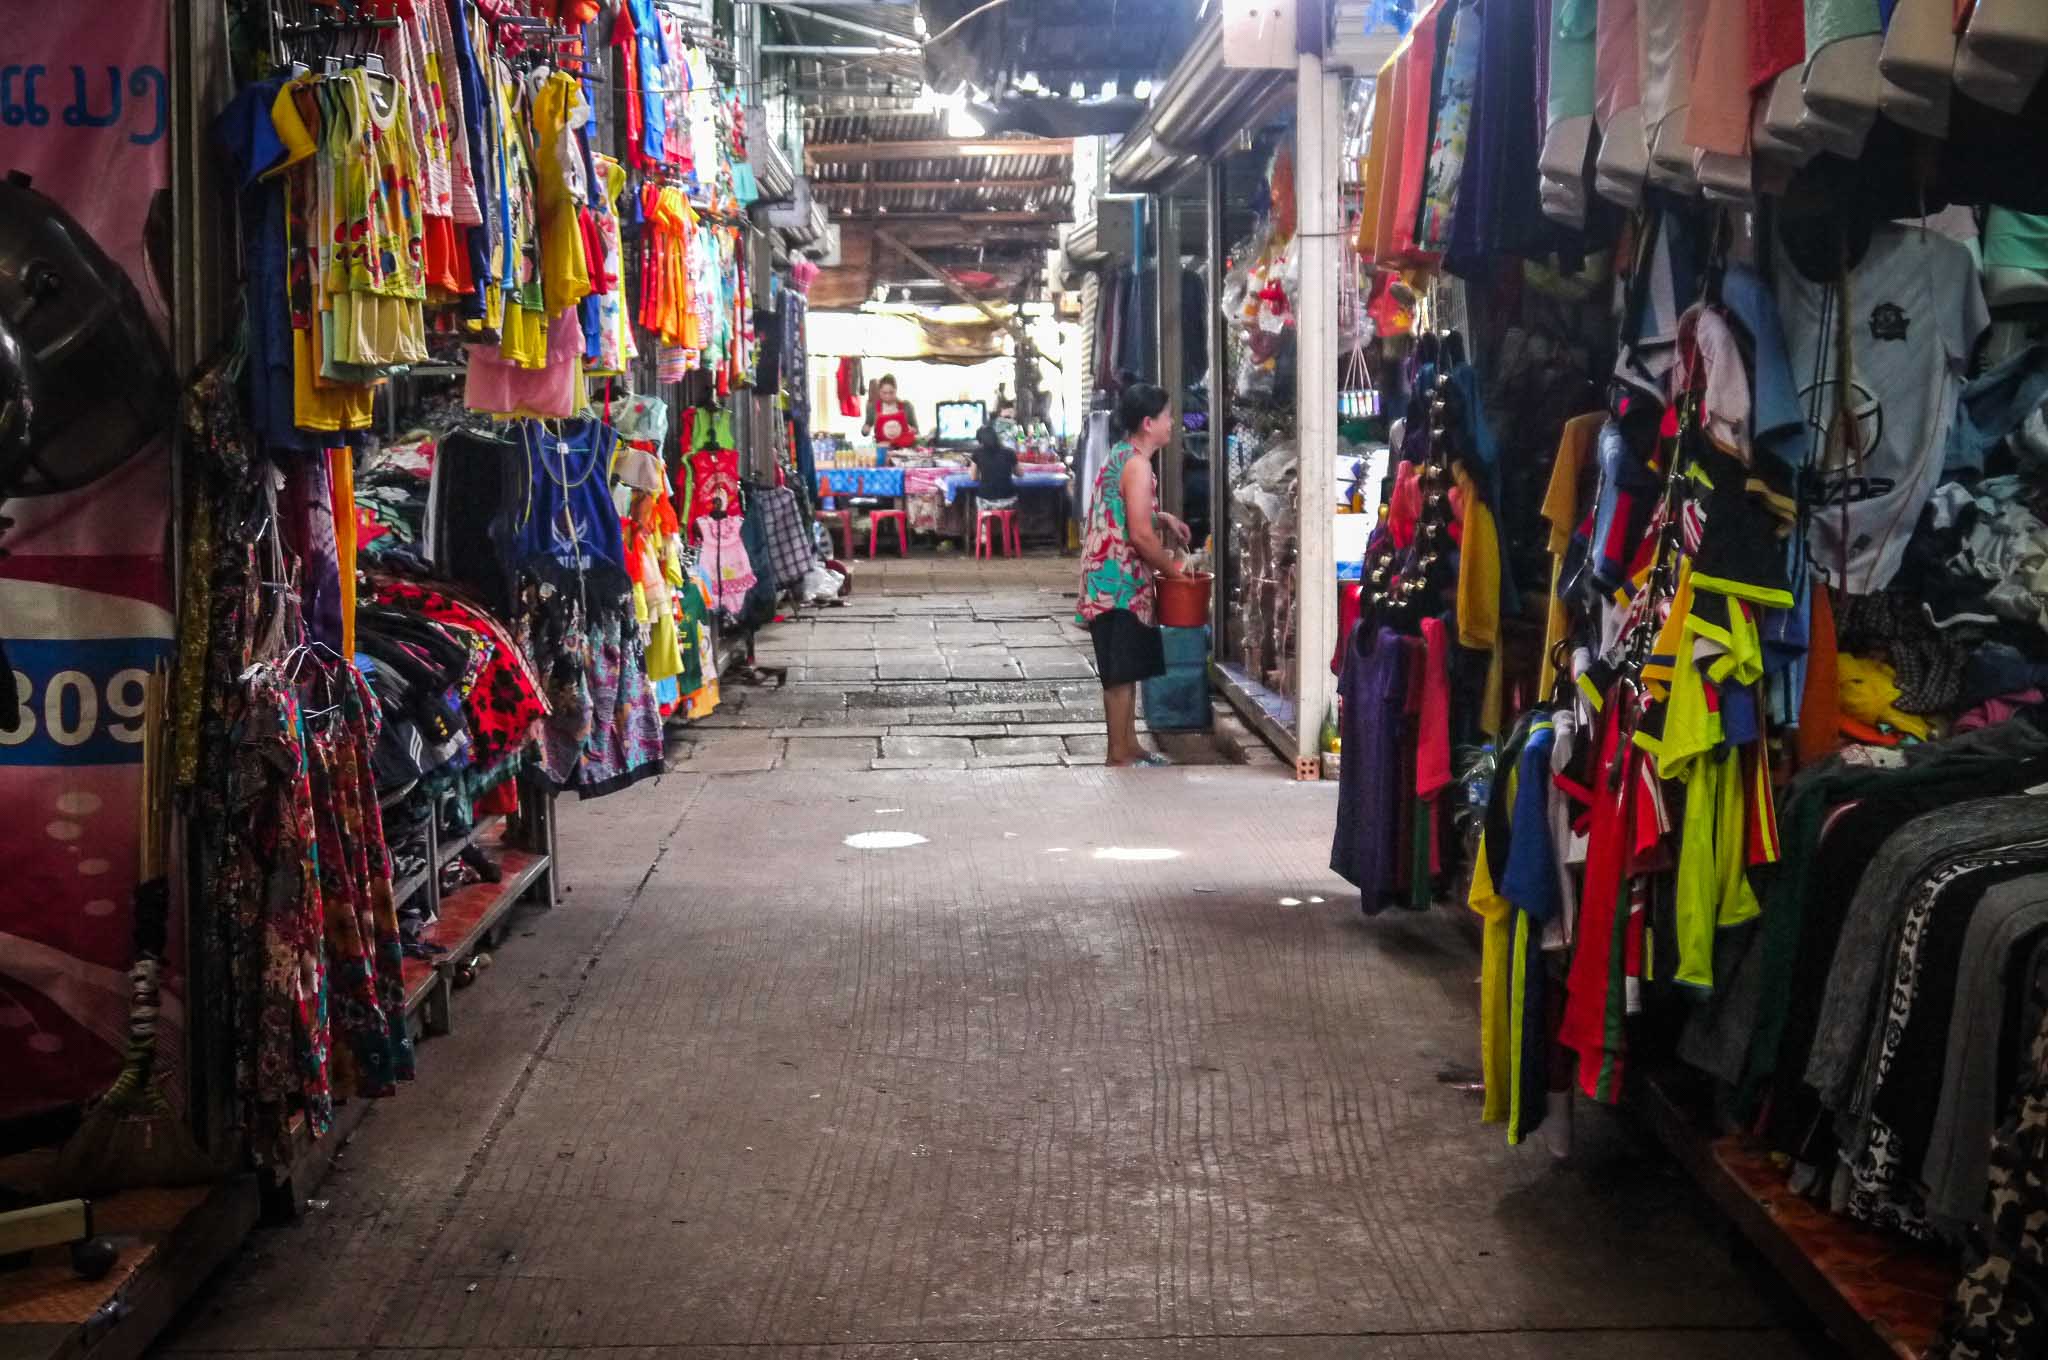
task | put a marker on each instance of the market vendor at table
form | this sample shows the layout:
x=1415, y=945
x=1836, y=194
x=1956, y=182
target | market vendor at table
x=891, y=422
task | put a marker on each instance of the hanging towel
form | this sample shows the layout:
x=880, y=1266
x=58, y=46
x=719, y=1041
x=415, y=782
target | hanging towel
x=1624, y=158
x=1568, y=110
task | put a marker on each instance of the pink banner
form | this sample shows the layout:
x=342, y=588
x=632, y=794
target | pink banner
x=85, y=595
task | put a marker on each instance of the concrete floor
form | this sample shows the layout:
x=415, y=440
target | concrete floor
x=981, y=667
x=1067, y=1079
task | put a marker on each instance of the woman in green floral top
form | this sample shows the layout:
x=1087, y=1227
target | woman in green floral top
x=1121, y=557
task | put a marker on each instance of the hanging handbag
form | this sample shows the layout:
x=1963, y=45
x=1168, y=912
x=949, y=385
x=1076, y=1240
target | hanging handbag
x=1357, y=397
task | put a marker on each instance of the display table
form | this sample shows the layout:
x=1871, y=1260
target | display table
x=1026, y=481
x=1041, y=497
x=940, y=498
x=170, y=1243
x=930, y=481
x=884, y=483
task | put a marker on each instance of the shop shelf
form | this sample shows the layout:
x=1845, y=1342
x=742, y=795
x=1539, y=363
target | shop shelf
x=170, y=1242
x=1879, y=1295
x=486, y=830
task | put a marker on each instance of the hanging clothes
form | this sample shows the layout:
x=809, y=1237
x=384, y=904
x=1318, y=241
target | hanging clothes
x=730, y=565
x=502, y=707
x=568, y=516
x=712, y=470
x=1371, y=688
x=372, y=1048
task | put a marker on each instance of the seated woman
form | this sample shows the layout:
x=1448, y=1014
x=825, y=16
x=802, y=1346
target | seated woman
x=995, y=464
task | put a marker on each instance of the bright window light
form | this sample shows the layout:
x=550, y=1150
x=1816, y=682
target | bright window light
x=1109, y=89
x=1028, y=82
x=960, y=121
x=1142, y=90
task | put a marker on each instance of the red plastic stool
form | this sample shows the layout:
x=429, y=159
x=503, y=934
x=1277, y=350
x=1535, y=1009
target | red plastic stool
x=1007, y=544
x=900, y=519
x=842, y=520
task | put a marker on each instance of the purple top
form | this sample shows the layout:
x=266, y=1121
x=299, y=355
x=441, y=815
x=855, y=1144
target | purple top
x=1500, y=205
x=1373, y=687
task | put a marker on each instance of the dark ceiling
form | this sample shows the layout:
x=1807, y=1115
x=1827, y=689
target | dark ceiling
x=1021, y=51
x=1057, y=43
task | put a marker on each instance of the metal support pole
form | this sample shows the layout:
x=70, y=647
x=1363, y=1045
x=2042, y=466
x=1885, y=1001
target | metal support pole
x=1166, y=275
x=1219, y=412
x=203, y=274
x=1319, y=130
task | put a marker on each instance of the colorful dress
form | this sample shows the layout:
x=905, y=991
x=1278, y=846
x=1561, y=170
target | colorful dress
x=1453, y=125
x=726, y=556
x=372, y=1049
x=267, y=877
x=1112, y=574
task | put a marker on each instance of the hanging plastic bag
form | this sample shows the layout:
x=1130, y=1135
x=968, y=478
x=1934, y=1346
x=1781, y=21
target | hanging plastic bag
x=1388, y=18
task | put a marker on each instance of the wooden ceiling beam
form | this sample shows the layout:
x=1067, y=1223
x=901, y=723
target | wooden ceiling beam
x=947, y=236
x=850, y=153
x=931, y=270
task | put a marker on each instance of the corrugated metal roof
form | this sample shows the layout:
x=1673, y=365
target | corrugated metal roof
x=851, y=104
x=968, y=170
x=987, y=196
x=925, y=184
x=889, y=125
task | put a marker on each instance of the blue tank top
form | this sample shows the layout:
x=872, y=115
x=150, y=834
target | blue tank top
x=568, y=516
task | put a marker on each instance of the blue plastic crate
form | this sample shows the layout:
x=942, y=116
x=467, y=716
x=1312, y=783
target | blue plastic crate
x=1178, y=701
x=1185, y=646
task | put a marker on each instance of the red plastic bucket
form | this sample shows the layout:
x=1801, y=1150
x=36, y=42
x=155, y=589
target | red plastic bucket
x=1184, y=603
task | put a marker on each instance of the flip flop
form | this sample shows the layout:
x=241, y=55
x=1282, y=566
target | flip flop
x=1151, y=761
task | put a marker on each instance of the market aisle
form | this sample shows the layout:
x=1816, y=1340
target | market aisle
x=1105, y=1066
x=936, y=663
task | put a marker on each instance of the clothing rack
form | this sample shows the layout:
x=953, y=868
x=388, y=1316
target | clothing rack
x=694, y=30
x=289, y=32
x=670, y=175
x=316, y=26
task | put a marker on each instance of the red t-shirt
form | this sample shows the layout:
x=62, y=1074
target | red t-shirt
x=1777, y=40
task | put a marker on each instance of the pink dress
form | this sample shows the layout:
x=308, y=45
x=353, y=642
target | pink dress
x=725, y=557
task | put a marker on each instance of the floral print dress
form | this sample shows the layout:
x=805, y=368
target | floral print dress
x=267, y=881
x=372, y=1050
x=1453, y=124
x=1112, y=574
